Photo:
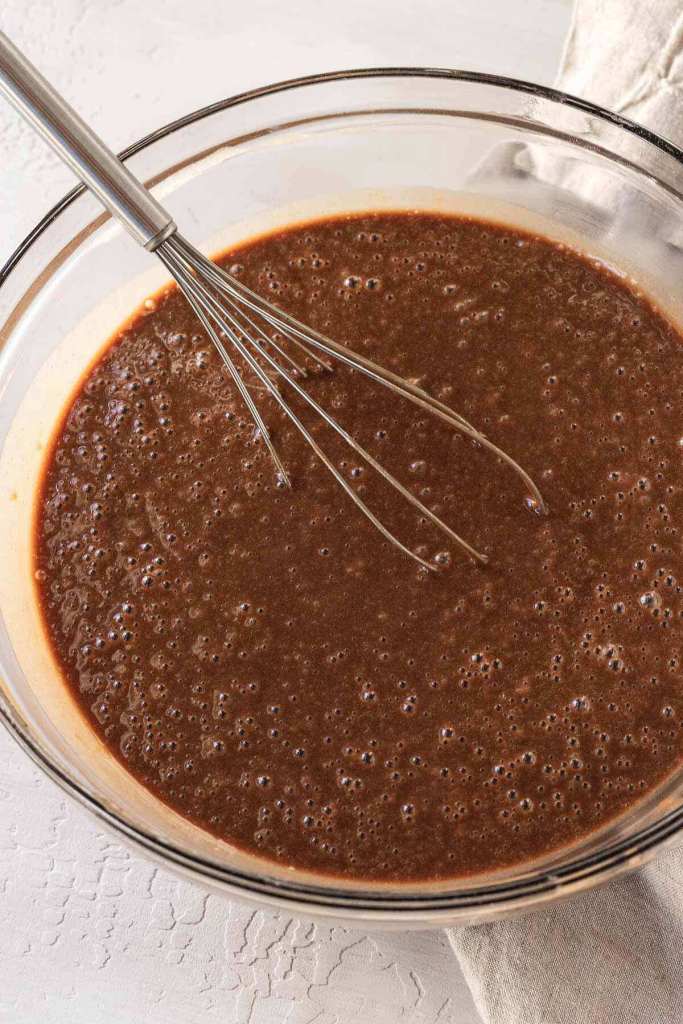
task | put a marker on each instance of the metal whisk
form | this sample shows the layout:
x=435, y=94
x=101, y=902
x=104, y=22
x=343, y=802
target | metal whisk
x=239, y=322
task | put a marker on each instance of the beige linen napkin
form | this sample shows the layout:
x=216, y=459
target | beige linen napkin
x=614, y=955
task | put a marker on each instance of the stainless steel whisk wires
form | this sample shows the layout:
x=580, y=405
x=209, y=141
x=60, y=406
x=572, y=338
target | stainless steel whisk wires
x=230, y=312
x=222, y=304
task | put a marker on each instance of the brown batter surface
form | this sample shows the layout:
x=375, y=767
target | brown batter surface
x=269, y=666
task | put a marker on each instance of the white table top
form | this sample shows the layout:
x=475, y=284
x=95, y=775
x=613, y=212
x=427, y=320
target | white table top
x=91, y=932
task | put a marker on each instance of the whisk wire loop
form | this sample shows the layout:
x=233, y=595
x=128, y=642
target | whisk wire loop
x=232, y=329
x=219, y=301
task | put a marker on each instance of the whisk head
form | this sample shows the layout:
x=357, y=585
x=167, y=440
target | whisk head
x=240, y=322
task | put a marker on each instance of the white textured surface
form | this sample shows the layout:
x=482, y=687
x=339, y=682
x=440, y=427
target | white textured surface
x=90, y=932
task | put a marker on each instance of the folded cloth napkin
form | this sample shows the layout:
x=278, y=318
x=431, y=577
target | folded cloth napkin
x=614, y=955
x=611, y=956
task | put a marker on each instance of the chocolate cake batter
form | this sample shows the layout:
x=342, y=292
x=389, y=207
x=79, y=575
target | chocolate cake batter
x=273, y=669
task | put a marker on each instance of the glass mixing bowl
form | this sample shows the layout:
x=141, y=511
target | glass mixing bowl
x=414, y=138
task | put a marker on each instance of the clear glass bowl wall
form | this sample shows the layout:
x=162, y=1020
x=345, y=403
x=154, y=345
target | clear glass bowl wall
x=354, y=140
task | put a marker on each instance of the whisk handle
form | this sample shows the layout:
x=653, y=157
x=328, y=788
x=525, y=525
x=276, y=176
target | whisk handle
x=77, y=145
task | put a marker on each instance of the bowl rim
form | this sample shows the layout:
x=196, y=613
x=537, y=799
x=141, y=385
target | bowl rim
x=455, y=74
x=381, y=904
